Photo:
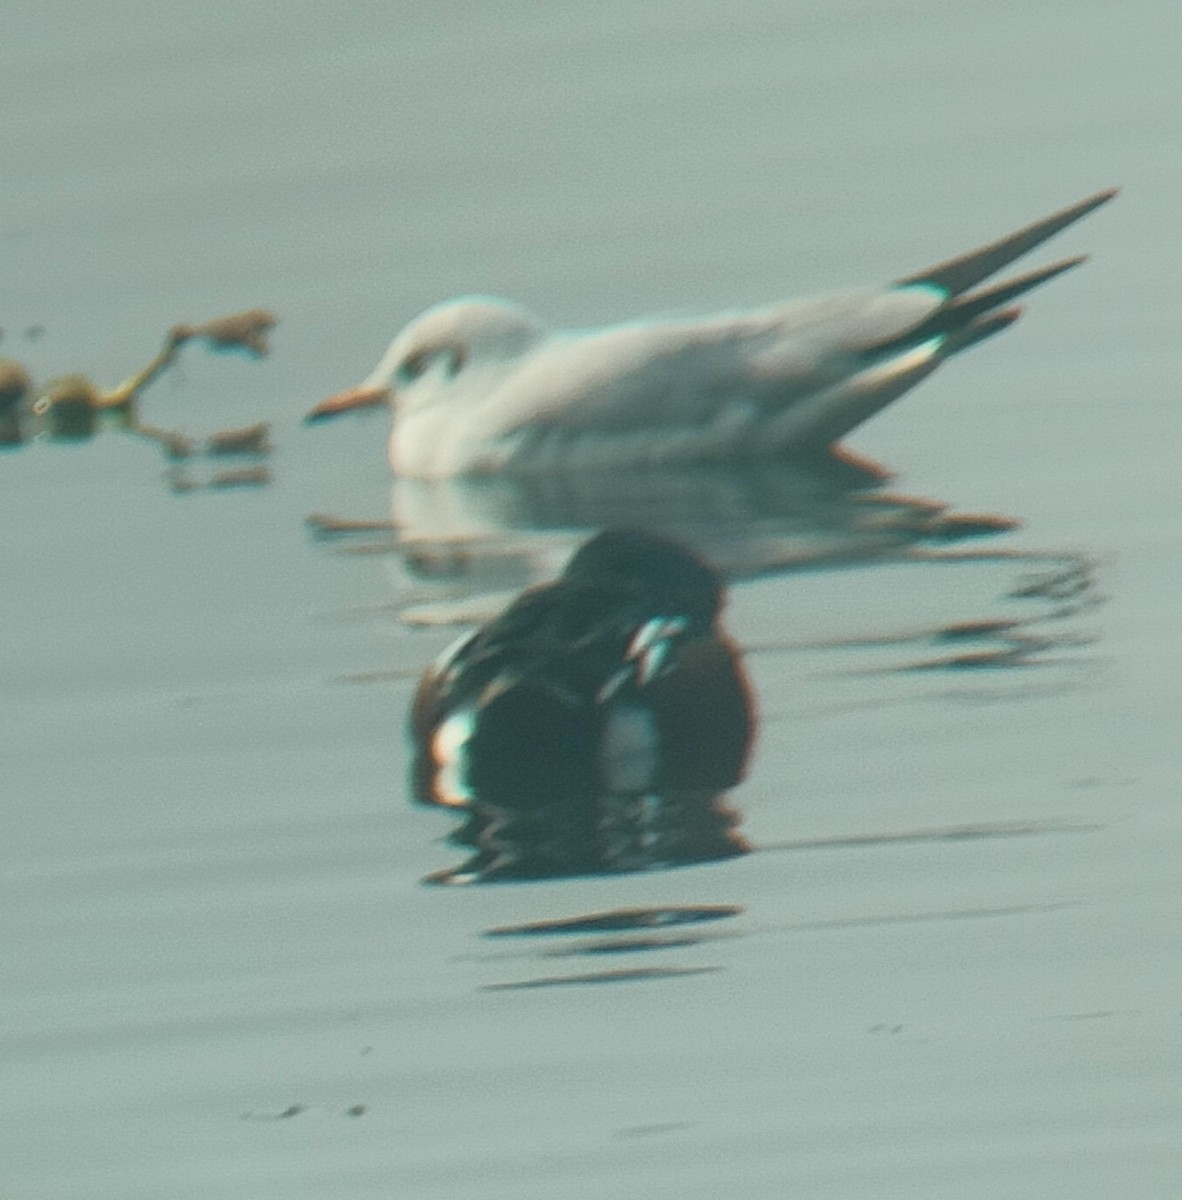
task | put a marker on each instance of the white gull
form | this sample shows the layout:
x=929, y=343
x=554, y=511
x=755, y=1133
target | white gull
x=479, y=385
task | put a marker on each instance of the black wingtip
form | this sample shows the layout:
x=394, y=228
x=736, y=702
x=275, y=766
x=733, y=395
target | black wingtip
x=957, y=275
x=980, y=329
x=965, y=310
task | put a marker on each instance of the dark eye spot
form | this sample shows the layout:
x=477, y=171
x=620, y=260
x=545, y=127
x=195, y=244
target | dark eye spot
x=417, y=364
x=411, y=368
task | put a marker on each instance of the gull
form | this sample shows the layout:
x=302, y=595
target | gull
x=480, y=386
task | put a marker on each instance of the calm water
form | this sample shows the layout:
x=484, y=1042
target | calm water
x=950, y=969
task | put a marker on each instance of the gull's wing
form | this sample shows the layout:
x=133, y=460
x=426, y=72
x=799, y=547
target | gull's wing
x=888, y=342
x=934, y=302
x=797, y=376
x=957, y=275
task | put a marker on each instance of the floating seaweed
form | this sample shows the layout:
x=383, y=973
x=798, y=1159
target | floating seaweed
x=246, y=330
x=70, y=406
x=73, y=407
x=15, y=386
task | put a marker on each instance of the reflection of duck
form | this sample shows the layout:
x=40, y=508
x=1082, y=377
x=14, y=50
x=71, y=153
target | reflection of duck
x=479, y=385
x=594, y=725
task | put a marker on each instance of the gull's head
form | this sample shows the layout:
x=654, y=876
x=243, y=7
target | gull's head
x=476, y=338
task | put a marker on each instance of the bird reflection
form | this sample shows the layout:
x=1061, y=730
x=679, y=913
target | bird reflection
x=595, y=725
x=462, y=548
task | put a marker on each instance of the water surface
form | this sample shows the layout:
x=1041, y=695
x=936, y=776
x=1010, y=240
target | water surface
x=949, y=969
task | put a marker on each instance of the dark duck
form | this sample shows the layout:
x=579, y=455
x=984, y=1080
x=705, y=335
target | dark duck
x=595, y=725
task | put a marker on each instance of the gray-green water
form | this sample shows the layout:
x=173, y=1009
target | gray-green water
x=219, y=974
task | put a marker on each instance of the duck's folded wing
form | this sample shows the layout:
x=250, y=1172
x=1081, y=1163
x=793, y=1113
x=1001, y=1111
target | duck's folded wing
x=508, y=715
x=521, y=740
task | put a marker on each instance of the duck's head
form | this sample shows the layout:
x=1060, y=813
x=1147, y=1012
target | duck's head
x=476, y=333
x=671, y=577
